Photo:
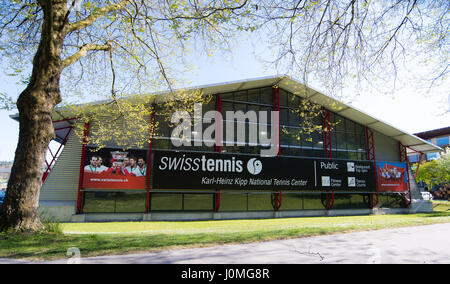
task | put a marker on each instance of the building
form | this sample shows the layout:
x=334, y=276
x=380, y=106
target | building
x=439, y=137
x=359, y=167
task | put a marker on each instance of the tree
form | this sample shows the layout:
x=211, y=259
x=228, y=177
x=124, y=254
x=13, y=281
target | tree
x=348, y=42
x=135, y=37
x=436, y=172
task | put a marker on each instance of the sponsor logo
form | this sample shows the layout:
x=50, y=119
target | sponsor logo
x=351, y=181
x=326, y=181
x=254, y=166
x=202, y=164
x=350, y=167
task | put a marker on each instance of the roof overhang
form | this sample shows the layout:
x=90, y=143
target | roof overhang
x=62, y=126
x=413, y=143
x=434, y=133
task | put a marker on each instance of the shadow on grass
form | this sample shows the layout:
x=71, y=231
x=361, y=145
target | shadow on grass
x=55, y=246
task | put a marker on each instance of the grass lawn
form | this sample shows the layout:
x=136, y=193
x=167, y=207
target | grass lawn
x=95, y=239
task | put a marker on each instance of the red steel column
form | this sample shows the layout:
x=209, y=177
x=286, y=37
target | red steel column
x=81, y=175
x=47, y=171
x=404, y=159
x=327, y=147
x=418, y=164
x=370, y=144
x=278, y=201
x=276, y=107
x=218, y=122
x=326, y=131
x=149, y=160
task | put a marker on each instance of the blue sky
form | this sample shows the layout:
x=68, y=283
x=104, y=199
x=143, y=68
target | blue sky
x=408, y=109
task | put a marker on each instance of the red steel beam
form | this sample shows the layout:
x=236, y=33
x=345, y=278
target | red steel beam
x=149, y=160
x=276, y=107
x=218, y=122
x=218, y=145
x=47, y=171
x=370, y=148
x=326, y=132
x=80, y=179
x=217, y=201
x=328, y=150
x=404, y=159
x=418, y=165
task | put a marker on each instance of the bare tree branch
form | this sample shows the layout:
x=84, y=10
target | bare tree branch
x=82, y=52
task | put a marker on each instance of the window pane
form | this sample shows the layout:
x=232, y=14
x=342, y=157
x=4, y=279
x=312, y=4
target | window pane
x=267, y=96
x=283, y=98
x=131, y=201
x=359, y=201
x=340, y=141
x=101, y=202
x=226, y=106
x=349, y=126
x=257, y=202
x=285, y=136
x=352, y=142
x=253, y=95
x=284, y=116
x=442, y=141
x=161, y=144
x=340, y=123
x=312, y=201
x=240, y=96
x=165, y=202
x=198, y=202
x=341, y=201
x=294, y=118
x=291, y=201
x=233, y=202
x=293, y=101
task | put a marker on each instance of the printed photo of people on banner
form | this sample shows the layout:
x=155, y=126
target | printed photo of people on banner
x=392, y=176
x=110, y=168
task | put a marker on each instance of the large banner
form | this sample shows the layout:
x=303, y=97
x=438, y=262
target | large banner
x=182, y=170
x=110, y=168
x=392, y=176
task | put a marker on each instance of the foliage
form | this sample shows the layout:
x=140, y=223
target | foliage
x=437, y=171
x=6, y=102
x=350, y=42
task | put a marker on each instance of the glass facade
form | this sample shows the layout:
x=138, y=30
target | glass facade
x=348, y=141
x=443, y=141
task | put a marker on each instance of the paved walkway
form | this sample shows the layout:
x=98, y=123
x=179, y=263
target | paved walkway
x=421, y=244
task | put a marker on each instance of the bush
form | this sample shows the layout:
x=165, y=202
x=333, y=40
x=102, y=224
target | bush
x=443, y=193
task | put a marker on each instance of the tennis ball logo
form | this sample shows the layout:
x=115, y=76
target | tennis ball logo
x=254, y=166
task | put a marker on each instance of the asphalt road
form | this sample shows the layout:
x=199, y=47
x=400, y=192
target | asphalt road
x=421, y=244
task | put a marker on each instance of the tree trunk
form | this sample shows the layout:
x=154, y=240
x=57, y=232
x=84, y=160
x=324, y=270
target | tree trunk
x=35, y=105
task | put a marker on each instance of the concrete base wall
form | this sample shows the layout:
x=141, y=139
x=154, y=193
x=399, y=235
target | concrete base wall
x=421, y=206
x=59, y=211
x=65, y=212
x=201, y=216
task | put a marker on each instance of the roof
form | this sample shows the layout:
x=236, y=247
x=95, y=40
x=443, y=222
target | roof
x=62, y=127
x=414, y=143
x=434, y=133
